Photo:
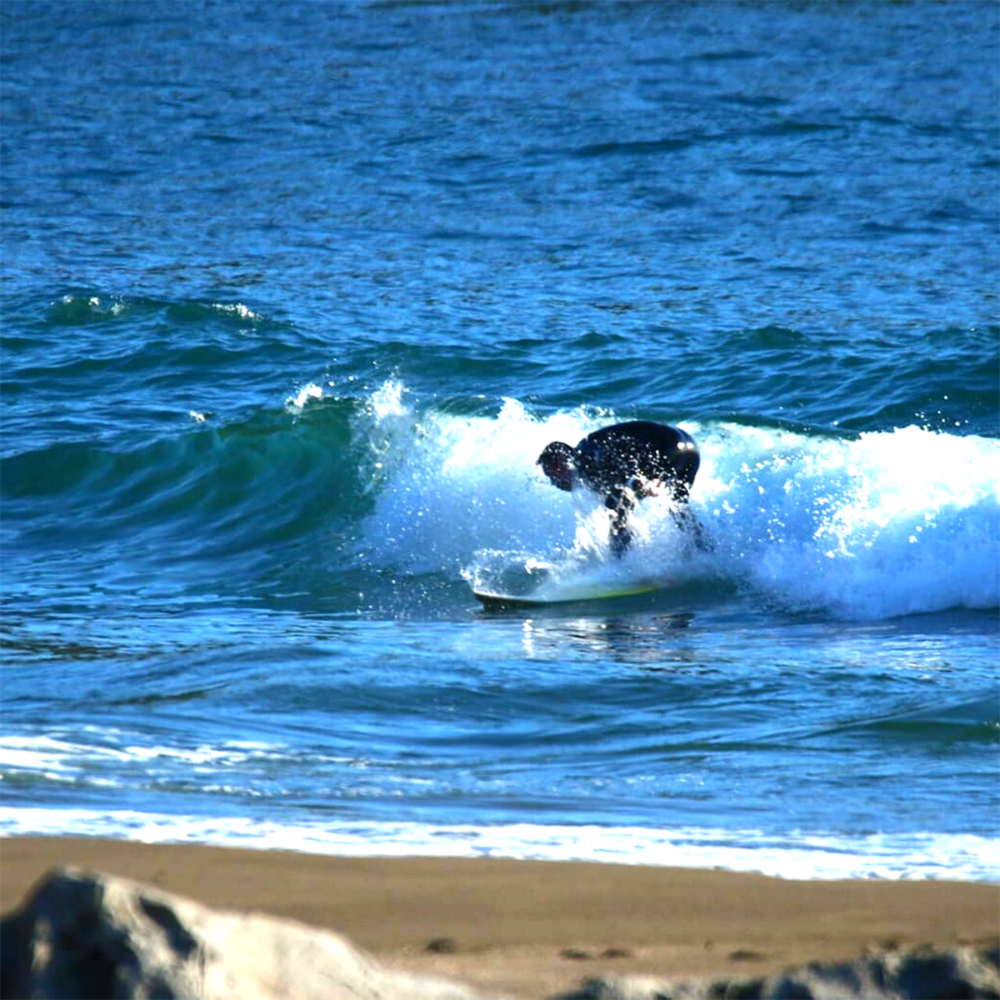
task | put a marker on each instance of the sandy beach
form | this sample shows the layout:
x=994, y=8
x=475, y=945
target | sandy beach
x=532, y=928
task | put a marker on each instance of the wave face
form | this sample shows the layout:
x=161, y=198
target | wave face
x=862, y=527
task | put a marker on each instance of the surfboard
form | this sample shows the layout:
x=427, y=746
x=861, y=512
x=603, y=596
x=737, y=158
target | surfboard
x=565, y=594
x=515, y=580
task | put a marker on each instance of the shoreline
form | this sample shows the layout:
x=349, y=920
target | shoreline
x=534, y=928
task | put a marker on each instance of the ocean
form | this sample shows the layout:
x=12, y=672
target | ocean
x=295, y=293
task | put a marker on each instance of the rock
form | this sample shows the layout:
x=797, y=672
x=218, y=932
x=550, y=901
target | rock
x=905, y=974
x=83, y=934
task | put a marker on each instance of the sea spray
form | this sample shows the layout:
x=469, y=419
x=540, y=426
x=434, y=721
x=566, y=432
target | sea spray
x=886, y=524
x=883, y=524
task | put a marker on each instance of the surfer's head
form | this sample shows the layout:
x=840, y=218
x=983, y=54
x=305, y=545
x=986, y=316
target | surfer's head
x=558, y=463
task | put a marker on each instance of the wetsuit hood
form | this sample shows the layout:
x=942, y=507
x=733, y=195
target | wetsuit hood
x=558, y=462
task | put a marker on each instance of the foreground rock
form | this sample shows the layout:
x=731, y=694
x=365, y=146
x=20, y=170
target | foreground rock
x=88, y=935
x=905, y=974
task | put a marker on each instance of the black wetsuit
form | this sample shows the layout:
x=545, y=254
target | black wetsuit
x=613, y=462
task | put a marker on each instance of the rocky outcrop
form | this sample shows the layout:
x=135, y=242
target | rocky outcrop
x=83, y=935
x=893, y=974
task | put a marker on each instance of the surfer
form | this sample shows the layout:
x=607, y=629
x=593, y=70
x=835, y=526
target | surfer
x=624, y=463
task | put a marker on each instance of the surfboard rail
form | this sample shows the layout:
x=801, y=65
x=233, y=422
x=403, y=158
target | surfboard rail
x=568, y=595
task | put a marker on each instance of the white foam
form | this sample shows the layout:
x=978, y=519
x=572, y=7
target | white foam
x=387, y=401
x=892, y=523
x=297, y=403
x=48, y=754
x=34, y=753
x=97, y=305
x=887, y=524
x=237, y=309
x=453, y=485
x=800, y=856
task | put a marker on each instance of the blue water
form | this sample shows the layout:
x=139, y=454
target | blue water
x=294, y=294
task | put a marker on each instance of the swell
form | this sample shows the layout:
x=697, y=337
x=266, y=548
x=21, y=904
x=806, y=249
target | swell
x=90, y=365
x=858, y=380
x=250, y=487
x=942, y=378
